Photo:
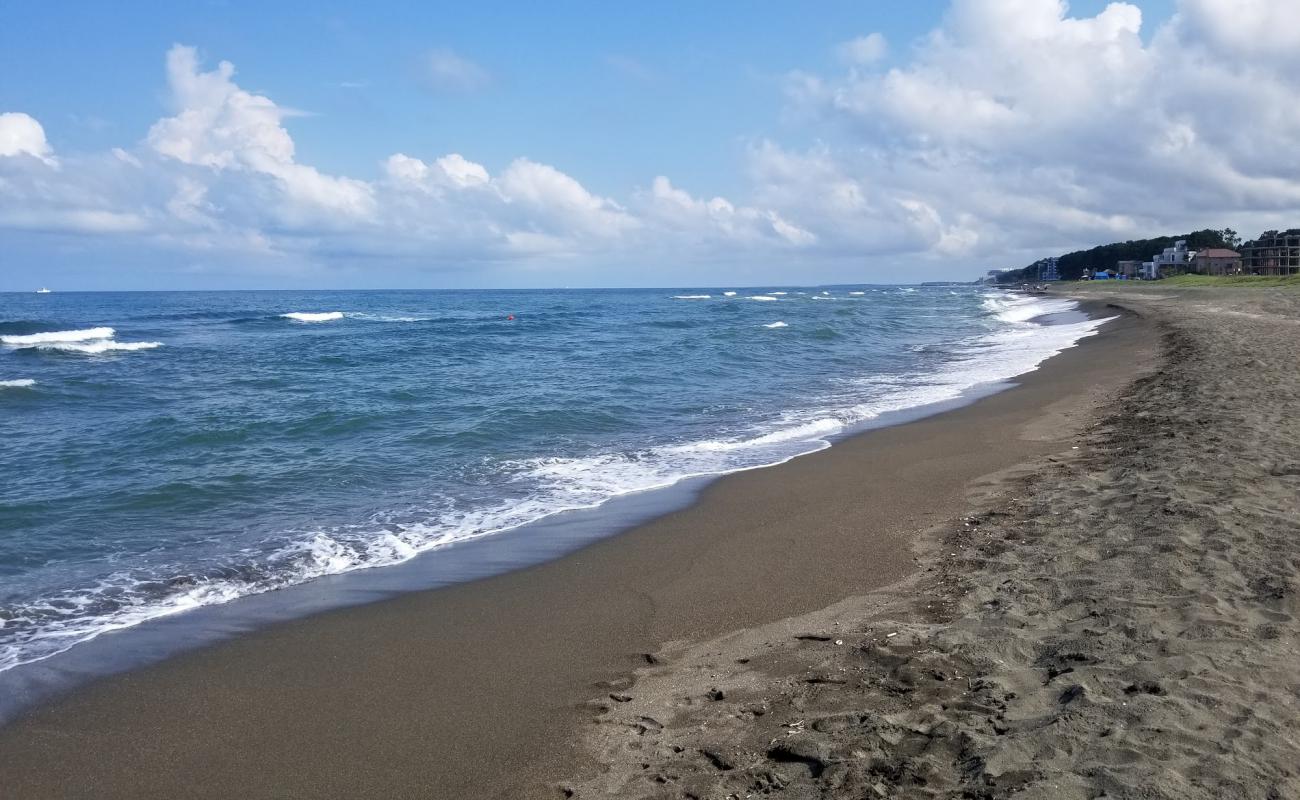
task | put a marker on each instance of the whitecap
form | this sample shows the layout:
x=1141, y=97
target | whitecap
x=691, y=296
x=779, y=294
x=857, y=294
x=95, y=348
x=763, y=298
x=85, y=334
x=18, y=383
x=729, y=294
x=777, y=324
x=309, y=316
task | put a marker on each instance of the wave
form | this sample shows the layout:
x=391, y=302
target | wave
x=779, y=294
x=777, y=324
x=728, y=294
x=313, y=316
x=763, y=298
x=18, y=383
x=537, y=488
x=87, y=341
x=857, y=294
x=82, y=335
x=1020, y=309
x=385, y=317
x=96, y=348
x=692, y=296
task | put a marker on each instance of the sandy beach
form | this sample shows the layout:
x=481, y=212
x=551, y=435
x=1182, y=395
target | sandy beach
x=1117, y=619
x=1080, y=587
x=479, y=690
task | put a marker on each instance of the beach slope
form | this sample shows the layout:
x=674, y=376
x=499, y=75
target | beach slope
x=1117, y=620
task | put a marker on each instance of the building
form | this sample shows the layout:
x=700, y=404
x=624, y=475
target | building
x=1129, y=269
x=1170, y=262
x=1047, y=270
x=1273, y=253
x=1216, y=261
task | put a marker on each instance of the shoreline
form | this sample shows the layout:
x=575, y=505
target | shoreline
x=421, y=688
x=549, y=537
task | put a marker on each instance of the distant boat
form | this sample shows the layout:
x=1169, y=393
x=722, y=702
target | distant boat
x=42, y=290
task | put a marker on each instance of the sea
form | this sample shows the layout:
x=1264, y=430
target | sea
x=168, y=452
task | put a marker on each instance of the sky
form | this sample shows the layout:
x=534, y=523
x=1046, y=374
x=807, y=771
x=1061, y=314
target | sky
x=153, y=145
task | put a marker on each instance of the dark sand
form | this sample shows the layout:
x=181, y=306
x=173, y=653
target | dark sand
x=481, y=690
x=1120, y=620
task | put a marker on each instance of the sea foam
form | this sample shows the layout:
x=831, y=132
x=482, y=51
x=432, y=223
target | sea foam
x=18, y=383
x=98, y=347
x=763, y=298
x=87, y=341
x=777, y=324
x=310, y=316
x=691, y=296
x=82, y=335
x=535, y=488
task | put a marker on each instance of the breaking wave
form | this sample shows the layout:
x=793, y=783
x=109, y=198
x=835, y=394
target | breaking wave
x=311, y=316
x=82, y=335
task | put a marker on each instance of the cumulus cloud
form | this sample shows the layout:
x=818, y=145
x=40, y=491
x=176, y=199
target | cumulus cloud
x=1010, y=131
x=1016, y=125
x=220, y=173
x=220, y=126
x=21, y=134
x=446, y=71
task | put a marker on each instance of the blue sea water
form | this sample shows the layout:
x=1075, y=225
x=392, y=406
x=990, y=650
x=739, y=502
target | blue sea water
x=167, y=451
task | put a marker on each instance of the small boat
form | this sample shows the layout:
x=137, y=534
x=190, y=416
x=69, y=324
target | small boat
x=42, y=290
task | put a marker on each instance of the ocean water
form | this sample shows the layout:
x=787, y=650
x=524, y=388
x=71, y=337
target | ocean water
x=167, y=451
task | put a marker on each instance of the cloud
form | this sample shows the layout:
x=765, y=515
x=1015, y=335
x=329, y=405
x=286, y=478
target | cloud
x=21, y=134
x=1010, y=131
x=446, y=71
x=864, y=49
x=1015, y=126
x=221, y=126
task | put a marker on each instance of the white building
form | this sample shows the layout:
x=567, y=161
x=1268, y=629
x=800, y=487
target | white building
x=1168, y=262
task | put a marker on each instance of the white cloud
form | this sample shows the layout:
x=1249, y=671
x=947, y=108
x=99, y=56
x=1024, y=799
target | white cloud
x=1014, y=125
x=864, y=49
x=221, y=126
x=445, y=70
x=1010, y=131
x=21, y=134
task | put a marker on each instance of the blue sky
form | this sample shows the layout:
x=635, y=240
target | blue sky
x=786, y=151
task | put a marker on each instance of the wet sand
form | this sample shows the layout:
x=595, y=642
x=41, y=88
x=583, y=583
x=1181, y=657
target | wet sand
x=487, y=689
x=1119, y=620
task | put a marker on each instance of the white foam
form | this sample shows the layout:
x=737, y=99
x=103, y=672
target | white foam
x=96, y=348
x=82, y=335
x=19, y=383
x=763, y=298
x=553, y=485
x=777, y=324
x=691, y=296
x=1012, y=308
x=779, y=294
x=857, y=294
x=825, y=292
x=88, y=341
x=310, y=316
x=729, y=294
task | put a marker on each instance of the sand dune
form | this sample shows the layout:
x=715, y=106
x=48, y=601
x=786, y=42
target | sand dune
x=1116, y=620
